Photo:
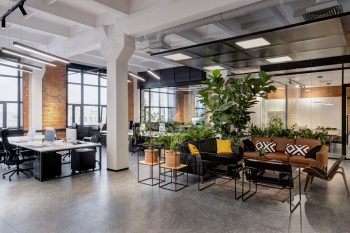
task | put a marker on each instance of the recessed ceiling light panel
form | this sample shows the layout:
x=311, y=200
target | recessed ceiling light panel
x=215, y=67
x=279, y=59
x=253, y=43
x=177, y=57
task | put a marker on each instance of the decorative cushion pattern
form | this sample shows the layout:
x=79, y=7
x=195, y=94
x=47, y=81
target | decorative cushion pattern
x=269, y=147
x=296, y=149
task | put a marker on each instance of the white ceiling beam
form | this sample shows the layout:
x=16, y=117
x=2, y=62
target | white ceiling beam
x=164, y=16
x=26, y=36
x=120, y=7
x=39, y=25
x=84, y=42
x=59, y=9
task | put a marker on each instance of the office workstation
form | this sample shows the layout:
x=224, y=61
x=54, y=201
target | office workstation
x=174, y=116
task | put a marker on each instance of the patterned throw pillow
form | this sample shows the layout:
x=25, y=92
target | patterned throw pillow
x=269, y=147
x=296, y=149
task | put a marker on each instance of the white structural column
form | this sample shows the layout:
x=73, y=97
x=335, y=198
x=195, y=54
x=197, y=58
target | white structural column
x=137, y=104
x=117, y=50
x=35, y=98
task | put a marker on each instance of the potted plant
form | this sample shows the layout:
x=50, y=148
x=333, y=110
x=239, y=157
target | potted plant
x=172, y=156
x=151, y=153
x=229, y=102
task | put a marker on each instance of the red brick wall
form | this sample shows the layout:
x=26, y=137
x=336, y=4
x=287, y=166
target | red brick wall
x=54, y=97
x=25, y=91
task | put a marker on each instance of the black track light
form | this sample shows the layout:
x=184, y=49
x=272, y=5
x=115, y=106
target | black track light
x=22, y=9
x=3, y=23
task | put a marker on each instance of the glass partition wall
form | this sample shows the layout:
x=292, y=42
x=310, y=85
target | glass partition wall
x=172, y=104
x=307, y=100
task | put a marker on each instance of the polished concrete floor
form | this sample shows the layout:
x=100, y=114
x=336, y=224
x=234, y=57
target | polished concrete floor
x=114, y=202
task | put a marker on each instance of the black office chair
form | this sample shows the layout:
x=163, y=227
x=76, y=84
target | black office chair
x=15, y=157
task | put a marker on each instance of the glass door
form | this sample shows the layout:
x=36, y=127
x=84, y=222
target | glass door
x=346, y=120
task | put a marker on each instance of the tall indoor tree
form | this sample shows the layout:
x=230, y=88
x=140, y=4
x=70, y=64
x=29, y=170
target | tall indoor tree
x=228, y=103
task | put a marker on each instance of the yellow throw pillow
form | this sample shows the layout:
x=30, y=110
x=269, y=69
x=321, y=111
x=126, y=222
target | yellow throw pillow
x=193, y=149
x=223, y=146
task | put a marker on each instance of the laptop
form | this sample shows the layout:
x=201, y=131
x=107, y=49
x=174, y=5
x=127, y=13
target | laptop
x=31, y=132
x=49, y=136
x=71, y=135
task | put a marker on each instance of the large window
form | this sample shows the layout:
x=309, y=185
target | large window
x=179, y=104
x=87, y=97
x=10, y=97
x=160, y=102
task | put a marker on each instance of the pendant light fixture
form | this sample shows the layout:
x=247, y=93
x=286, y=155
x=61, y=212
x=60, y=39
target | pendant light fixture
x=21, y=64
x=23, y=55
x=39, y=52
x=15, y=67
x=136, y=76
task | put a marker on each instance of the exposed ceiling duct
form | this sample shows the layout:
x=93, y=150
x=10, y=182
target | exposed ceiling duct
x=323, y=9
x=157, y=39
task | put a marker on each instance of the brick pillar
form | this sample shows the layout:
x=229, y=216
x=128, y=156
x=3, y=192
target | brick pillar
x=54, y=111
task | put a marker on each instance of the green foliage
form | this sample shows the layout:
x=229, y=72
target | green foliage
x=170, y=142
x=274, y=130
x=275, y=127
x=197, y=133
x=229, y=103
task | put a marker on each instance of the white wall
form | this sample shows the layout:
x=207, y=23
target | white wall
x=311, y=114
x=308, y=114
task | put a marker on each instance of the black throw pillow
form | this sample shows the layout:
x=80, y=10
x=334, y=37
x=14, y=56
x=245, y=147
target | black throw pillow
x=312, y=152
x=249, y=145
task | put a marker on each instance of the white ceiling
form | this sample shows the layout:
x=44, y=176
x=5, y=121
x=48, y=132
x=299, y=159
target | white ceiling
x=75, y=28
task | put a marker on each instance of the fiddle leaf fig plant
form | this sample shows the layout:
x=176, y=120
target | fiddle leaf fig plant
x=228, y=102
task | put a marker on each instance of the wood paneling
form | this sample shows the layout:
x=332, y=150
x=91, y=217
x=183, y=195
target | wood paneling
x=314, y=92
x=131, y=101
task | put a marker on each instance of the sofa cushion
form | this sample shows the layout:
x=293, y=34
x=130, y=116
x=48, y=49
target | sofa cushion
x=282, y=143
x=268, y=146
x=292, y=149
x=253, y=154
x=298, y=159
x=280, y=156
x=213, y=146
x=260, y=139
x=193, y=149
x=204, y=146
x=249, y=145
x=310, y=142
x=223, y=146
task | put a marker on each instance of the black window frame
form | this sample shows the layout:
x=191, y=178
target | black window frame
x=19, y=100
x=85, y=70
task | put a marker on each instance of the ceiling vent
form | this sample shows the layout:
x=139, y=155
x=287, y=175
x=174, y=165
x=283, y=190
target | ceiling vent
x=323, y=10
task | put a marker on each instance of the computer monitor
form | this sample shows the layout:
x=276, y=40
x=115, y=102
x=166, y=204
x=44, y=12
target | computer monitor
x=155, y=126
x=31, y=132
x=71, y=135
x=49, y=135
x=162, y=128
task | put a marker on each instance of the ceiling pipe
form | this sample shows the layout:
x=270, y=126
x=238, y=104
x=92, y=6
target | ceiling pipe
x=217, y=18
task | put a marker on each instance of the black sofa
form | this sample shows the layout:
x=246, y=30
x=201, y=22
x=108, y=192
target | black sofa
x=208, y=159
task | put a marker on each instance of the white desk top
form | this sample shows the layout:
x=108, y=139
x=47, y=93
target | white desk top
x=58, y=145
x=37, y=137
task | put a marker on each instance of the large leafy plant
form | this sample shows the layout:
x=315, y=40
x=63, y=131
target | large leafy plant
x=229, y=102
